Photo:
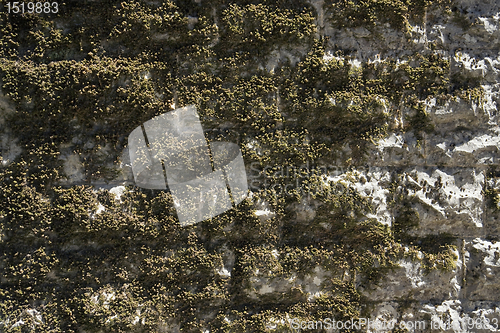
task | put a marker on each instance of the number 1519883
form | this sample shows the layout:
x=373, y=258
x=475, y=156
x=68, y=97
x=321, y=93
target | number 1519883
x=32, y=7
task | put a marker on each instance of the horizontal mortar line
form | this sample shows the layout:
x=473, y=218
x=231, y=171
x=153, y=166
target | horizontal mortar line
x=461, y=166
x=462, y=301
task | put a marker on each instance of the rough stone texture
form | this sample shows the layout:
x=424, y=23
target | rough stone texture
x=445, y=172
x=483, y=262
x=412, y=282
x=442, y=174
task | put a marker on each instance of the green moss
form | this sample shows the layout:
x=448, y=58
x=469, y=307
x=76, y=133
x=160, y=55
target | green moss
x=396, y=13
x=260, y=27
x=420, y=122
x=460, y=18
x=406, y=220
x=491, y=194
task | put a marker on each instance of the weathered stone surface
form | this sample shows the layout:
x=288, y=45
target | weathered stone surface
x=413, y=283
x=483, y=267
x=437, y=175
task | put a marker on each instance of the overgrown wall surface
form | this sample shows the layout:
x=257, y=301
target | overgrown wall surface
x=370, y=134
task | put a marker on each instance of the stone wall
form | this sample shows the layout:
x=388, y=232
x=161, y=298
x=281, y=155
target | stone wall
x=398, y=99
